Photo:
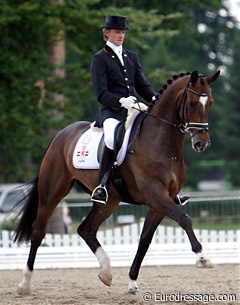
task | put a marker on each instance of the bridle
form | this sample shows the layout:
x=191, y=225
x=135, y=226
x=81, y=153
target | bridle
x=191, y=128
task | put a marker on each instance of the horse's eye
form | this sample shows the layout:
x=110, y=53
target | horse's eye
x=192, y=104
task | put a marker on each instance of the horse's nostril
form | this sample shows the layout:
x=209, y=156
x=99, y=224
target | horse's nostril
x=198, y=146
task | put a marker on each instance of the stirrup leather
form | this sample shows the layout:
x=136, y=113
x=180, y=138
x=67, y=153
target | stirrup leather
x=103, y=187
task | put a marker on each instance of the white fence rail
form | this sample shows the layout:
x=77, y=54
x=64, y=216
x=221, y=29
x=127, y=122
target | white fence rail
x=170, y=246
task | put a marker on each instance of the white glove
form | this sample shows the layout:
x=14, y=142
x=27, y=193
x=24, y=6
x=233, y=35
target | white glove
x=128, y=102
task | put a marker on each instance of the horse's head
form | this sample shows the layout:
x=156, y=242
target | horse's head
x=195, y=103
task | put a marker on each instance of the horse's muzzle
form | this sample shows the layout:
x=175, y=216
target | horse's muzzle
x=201, y=142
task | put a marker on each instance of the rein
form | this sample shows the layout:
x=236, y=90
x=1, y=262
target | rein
x=183, y=127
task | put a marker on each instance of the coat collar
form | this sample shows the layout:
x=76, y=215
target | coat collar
x=115, y=48
x=107, y=49
x=110, y=51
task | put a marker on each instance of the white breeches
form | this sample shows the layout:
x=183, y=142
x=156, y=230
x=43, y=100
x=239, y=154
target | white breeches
x=109, y=128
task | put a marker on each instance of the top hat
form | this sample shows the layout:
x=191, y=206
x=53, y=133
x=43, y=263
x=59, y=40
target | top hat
x=116, y=22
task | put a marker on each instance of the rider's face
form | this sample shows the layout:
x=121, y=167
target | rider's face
x=115, y=36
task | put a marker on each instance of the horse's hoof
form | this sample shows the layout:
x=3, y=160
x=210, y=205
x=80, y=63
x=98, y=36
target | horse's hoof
x=133, y=290
x=203, y=262
x=23, y=290
x=105, y=278
x=132, y=287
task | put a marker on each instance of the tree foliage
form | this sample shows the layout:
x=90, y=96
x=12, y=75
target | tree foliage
x=169, y=36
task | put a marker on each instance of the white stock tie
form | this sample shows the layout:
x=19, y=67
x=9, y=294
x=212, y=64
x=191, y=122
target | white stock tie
x=119, y=54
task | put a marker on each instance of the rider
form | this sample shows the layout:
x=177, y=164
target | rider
x=116, y=72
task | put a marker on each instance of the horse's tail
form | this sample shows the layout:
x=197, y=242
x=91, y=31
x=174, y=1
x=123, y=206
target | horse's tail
x=28, y=214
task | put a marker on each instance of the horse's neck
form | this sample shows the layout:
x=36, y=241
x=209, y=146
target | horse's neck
x=167, y=106
x=162, y=138
x=163, y=115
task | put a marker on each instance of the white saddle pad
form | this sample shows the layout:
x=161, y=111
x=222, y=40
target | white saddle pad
x=85, y=152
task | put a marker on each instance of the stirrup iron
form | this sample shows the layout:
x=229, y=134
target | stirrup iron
x=181, y=200
x=104, y=188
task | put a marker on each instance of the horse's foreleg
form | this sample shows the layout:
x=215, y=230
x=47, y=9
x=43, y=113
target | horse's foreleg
x=185, y=222
x=88, y=231
x=152, y=220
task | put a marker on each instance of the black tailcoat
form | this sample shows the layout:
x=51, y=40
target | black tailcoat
x=111, y=81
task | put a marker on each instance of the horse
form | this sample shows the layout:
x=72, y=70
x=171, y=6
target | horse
x=153, y=173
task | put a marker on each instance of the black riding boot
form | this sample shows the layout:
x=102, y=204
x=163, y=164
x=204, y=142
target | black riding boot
x=100, y=193
x=182, y=200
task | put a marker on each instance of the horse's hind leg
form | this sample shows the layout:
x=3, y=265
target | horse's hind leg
x=24, y=288
x=49, y=196
x=88, y=231
x=152, y=220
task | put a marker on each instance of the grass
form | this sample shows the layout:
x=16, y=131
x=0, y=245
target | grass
x=202, y=224
x=208, y=223
x=223, y=225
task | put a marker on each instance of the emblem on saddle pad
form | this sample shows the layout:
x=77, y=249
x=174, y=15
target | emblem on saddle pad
x=82, y=153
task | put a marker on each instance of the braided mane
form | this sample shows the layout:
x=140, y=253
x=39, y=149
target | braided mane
x=171, y=80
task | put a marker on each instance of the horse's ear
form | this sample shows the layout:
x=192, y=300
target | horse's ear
x=194, y=77
x=211, y=78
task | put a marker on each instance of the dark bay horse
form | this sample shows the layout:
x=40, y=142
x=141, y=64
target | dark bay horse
x=153, y=173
